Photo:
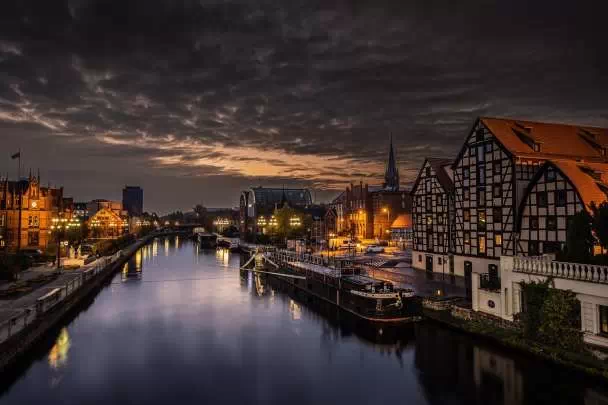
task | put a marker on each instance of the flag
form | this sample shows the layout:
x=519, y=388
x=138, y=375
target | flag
x=16, y=156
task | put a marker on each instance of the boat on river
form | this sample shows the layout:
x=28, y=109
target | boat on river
x=368, y=298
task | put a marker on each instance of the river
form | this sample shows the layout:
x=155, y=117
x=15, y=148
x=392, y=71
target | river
x=183, y=326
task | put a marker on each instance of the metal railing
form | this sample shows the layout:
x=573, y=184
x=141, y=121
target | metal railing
x=572, y=271
x=489, y=283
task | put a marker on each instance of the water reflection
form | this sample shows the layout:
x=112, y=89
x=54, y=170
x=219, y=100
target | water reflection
x=58, y=356
x=133, y=268
x=212, y=333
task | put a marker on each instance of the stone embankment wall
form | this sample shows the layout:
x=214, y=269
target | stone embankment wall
x=18, y=344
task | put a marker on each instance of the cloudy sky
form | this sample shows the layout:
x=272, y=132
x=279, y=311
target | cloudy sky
x=196, y=100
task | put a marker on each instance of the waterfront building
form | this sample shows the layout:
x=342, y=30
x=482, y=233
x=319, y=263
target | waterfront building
x=402, y=231
x=97, y=205
x=257, y=205
x=26, y=213
x=107, y=224
x=505, y=298
x=498, y=168
x=433, y=217
x=133, y=200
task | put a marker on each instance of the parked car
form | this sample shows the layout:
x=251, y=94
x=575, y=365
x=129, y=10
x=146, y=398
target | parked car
x=374, y=249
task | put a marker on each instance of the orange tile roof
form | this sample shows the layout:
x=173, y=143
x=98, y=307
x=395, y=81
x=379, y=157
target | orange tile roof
x=555, y=140
x=588, y=187
x=402, y=221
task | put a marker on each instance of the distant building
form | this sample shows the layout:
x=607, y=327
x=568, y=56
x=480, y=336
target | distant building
x=133, y=200
x=366, y=212
x=39, y=205
x=97, y=205
x=81, y=211
x=107, y=224
x=258, y=204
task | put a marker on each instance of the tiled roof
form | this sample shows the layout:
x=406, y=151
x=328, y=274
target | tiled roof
x=552, y=140
x=402, y=221
x=590, y=179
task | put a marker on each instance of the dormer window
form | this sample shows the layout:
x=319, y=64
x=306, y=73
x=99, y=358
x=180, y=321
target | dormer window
x=536, y=147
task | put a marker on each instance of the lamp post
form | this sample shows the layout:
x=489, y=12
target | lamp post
x=59, y=225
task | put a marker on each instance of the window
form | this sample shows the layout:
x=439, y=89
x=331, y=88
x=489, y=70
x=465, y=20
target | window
x=481, y=220
x=440, y=219
x=29, y=221
x=552, y=223
x=552, y=247
x=2, y=220
x=466, y=194
x=428, y=171
x=439, y=261
x=481, y=174
x=497, y=191
x=481, y=196
x=550, y=174
x=429, y=220
x=465, y=172
x=466, y=215
x=603, y=319
x=440, y=240
x=497, y=215
x=33, y=239
x=497, y=239
x=534, y=223
x=541, y=198
x=489, y=147
x=467, y=238
x=429, y=204
x=482, y=245
x=533, y=248
x=479, y=135
x=560, y=198
x=419, y=258
x=497, y=168
x=481, y=156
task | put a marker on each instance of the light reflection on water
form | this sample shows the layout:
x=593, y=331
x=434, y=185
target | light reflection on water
x=190, y=327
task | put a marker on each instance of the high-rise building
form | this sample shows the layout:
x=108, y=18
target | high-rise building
x=133, y=200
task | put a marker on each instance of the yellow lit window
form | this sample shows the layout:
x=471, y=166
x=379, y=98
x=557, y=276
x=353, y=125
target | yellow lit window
x=498, y=239
x=482, y=244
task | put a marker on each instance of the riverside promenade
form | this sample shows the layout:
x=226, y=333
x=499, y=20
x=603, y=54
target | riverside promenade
x=25, y=320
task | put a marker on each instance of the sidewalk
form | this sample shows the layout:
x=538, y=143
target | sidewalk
x=29, y=274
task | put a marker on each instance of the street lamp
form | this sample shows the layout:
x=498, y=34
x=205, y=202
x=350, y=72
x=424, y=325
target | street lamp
x=59, y=226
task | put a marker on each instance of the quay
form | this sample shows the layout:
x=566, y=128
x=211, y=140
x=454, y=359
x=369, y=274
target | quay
x=25, y=320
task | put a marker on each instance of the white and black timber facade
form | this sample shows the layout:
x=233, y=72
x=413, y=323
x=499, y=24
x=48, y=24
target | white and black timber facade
x=433, y=217
x=515, y=184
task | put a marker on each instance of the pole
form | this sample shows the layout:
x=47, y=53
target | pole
x=20, y=194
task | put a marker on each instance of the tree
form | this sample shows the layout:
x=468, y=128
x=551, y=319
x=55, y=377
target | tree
x=561, y=319
x=600, y=223
x=579, y=238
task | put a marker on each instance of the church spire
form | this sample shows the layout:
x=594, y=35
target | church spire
x=391, y=174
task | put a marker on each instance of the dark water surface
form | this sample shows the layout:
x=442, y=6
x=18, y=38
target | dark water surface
x=182, y=326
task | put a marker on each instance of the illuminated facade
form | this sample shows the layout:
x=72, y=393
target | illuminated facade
x=38, y=206
x=106, y=224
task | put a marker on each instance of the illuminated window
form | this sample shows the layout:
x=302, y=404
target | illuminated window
x=498, y=239
x=467, y=238
x=603, y=319
x=466, y=215
x=482, y=245
x=481, y=220
x=429, y=220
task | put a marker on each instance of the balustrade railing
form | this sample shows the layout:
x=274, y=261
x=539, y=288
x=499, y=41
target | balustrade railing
x=572, y=271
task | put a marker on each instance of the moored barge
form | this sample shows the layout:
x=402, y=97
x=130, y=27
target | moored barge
x=370, y=299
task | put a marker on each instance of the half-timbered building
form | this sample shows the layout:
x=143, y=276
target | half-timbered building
x=433, y=217
x=559, y=190
x=492, y=175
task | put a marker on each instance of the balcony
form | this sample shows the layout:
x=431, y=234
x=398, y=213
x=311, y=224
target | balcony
x=571, y=271
x=489, y=283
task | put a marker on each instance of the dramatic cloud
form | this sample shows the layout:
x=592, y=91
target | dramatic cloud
x=195, y=100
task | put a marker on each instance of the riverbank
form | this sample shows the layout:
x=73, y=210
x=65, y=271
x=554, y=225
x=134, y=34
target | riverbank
x=510, y=336
x=30, y=316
